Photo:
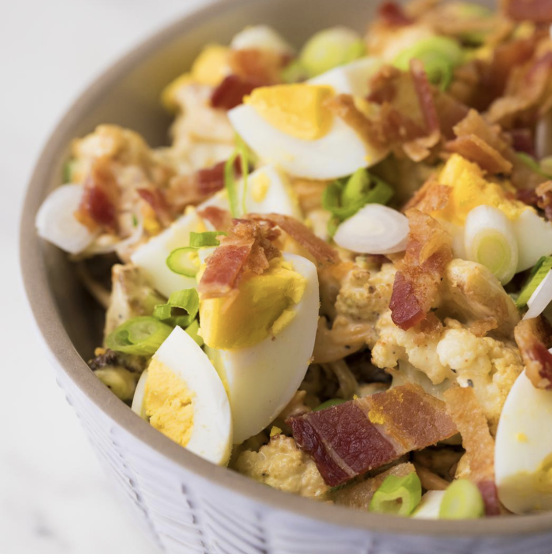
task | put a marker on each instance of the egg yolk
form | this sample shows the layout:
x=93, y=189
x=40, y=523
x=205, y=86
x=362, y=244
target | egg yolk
x=297, y=110
x=470, y=189
x=261, y=308
x=168, y=403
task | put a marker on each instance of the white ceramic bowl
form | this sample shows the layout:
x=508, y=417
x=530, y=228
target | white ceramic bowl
x=181, y=502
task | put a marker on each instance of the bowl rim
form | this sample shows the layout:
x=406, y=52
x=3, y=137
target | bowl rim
x=62, y=350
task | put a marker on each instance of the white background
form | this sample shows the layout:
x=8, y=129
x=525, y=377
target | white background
x=53, y=497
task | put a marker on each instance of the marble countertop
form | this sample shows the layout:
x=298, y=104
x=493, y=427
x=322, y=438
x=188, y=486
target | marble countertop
x=54, y=499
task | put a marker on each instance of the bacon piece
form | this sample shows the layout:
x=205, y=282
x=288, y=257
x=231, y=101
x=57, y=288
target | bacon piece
x=522, y=140
x=156, y=199
x=264, y=66
x=393, y=15
x=431, y=197
x=231, y=91
x=425, y=95
x=477, y=150
x=320, y=250
x=449, y=112
x=532, y=337
x=538, y=11
x=466, y=412
x=247, y=247
x=366, y=433
x=98, y=206
x=220, y=219
x=420, y=271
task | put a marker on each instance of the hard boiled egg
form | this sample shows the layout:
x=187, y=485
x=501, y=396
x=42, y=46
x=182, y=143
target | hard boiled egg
x=523, y=449
x=56, y=221
x=429, y=506
x=184, y=398
x=262, y=345
x=268, y=190
x=290, y=126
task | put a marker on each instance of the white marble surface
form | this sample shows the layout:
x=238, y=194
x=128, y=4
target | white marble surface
x=54, y=498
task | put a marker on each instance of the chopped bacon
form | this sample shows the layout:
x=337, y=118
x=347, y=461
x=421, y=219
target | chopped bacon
x=477, y=150
x=425, y=95
x=247, y=247
x=420, y=271
x=320, y=250
x=522, y=140
x=538, y=11
x=393, y=14
x=466, y=412
x=431, y=197
x=532, y=337
x=220, y=219
x=98, y=206
x=449, y=112
x=231, y=91
x=156, y=199
x=363, y=434
x=264, y=66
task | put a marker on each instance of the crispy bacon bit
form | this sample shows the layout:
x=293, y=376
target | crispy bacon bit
x=156, y=199
x=522, y=140
x=450, y=112
x=477, y=150
x=532, y=337
x=98, y=207
x=220, y=219
x=320, y=250
x=248, y=247
x=431, y=197
x=366, y=433
x=420, y=271
x=264, y=66
x=539, y=11
x=392, y=14
x=231, y=91
x=466, y=412
x=425, y=95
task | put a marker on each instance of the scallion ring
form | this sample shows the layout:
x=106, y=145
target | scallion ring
x=140, y=336
x=397, y=495
x=462, y=500
x=184, y=261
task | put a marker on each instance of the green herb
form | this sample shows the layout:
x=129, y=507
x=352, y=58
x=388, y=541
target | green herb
x=186, y=300
x=140, y=336
x=540, y=270
x=533, y=164
x=397, y=495
x=208, y=238
x=184, y=261
x=462, y=500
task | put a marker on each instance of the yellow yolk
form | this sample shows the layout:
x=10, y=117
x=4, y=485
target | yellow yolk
x=209, y=68
x=259, y=187
x=297, y=110
x=260, y=309
x=168, y=403
x=470, y=189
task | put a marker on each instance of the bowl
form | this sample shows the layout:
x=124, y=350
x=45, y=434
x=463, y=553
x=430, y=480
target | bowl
x=181, y=502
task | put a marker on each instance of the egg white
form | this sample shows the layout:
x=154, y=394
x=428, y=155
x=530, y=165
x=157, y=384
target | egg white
x=262, y=379
x=523, y=443
x=212, y=428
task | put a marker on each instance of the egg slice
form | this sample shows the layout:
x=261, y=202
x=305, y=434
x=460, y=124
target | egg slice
x=352, y=78
x=523, y=449
x=185, y=399
x=262, y=378
x=56, y=222
x=151, y=257
x=429, y=506
x=292, y=128
x=138, y=399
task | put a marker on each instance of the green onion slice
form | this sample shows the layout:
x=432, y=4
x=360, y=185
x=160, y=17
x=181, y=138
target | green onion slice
x=208, y=238
x=542, y=168
x=329, y=403
x=187, y=300
x=397, y=495
x=184, y=261
x=462, y=500
x=540, y=270
x=439, y=56
x=230, y=182
x=193, y=331
x=140, y=336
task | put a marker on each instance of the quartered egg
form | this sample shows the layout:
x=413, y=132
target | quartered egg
x=523, y=449
x=290, y=126
x=183, y=397
x=262, y=343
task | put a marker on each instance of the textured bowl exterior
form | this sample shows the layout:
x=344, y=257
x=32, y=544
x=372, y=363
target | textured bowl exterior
x=182, y=503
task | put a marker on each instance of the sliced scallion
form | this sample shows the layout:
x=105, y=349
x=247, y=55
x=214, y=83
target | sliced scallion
x=490, y=240
x=193, y=331
x=186, y=300
x=184, y=261
x=140, y=336
x=538, y=273
x=397, y=495
x=208, y=238
x=462, y=500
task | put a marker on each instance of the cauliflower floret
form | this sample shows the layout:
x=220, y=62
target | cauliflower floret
x=453, y=354
x=281, y=465
x=365, y=295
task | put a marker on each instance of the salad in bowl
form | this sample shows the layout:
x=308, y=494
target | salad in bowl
x=336, y=279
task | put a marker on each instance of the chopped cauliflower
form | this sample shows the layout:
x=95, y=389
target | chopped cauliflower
x=281, y=465
x=450, y=354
